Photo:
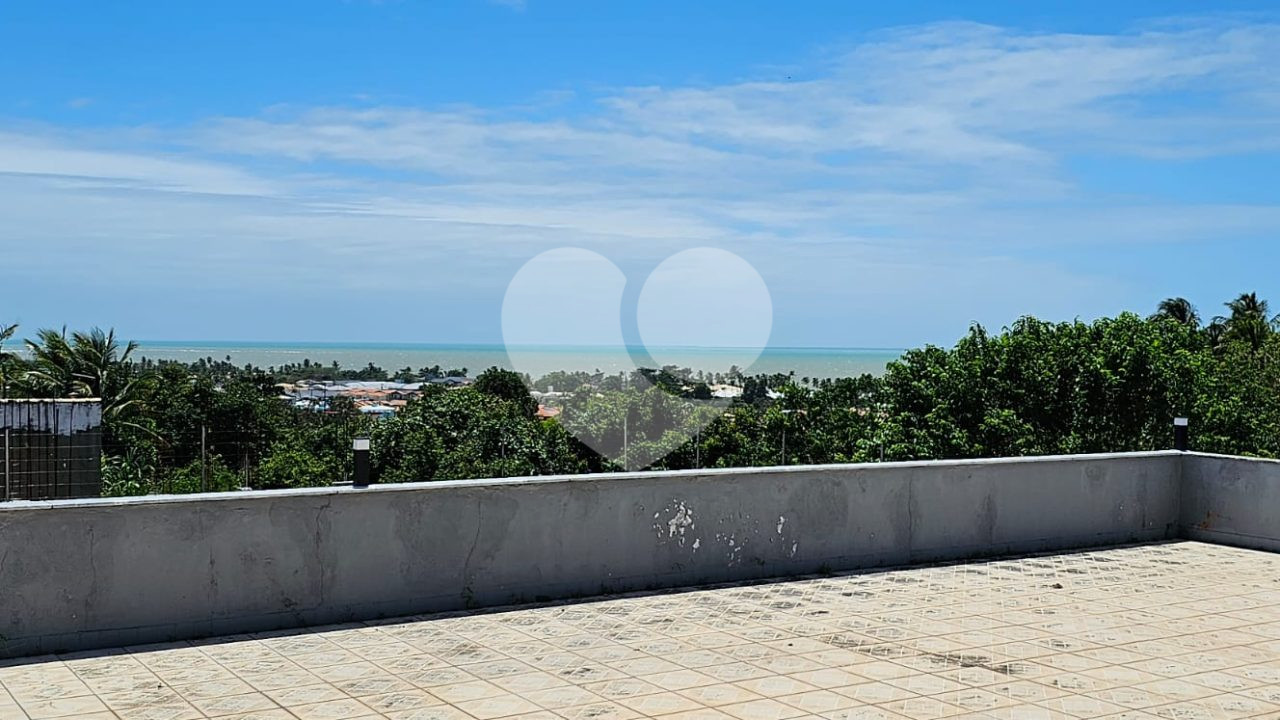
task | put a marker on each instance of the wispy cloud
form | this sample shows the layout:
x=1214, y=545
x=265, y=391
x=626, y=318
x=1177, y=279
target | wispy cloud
x=938, y=152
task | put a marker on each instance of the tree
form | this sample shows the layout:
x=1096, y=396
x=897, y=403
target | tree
x=6, y=332
x=288, y=465
x=507, y=385
x=1250, y=320
x=1179, y=310
x=9, y=364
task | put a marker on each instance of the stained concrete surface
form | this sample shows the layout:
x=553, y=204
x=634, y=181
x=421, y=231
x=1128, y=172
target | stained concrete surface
x=1180, y=631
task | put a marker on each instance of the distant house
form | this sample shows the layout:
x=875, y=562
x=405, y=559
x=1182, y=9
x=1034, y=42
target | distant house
x=451, y=381
x=726, y=392
x=314, y=395
x=382, y=411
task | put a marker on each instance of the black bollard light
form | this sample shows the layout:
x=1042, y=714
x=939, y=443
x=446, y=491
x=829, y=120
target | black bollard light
x=360, y=446
x=1180, y=434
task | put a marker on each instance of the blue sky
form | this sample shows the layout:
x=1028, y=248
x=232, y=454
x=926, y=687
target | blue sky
x=379, y=171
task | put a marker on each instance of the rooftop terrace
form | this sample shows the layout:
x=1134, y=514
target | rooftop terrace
x=1179, y=630
x=1072, y=587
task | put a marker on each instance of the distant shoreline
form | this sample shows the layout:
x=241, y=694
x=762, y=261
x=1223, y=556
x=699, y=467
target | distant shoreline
x=535, y=360
x=483, y=346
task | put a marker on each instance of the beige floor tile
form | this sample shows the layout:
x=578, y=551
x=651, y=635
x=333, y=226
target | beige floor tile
x=763, y=709
x=863, y=712
x=436, y=677
x=62, y=707
x=1082, y=706
x=1017, y=712
x=54, y=690
x=828, y=677
x=151, y=695
x=1131, y=697
x=875, y=693
x=922, y=708
x=735, y=672
x=679, y=679
x=163, y=711
x=972, y=700
x=233, y=704
x=1176, y=690
x=622, y=688
x=438, y=712
x=598, y=711
x=401, y=700
x=818, y=701
x=1265, y=693
x=664, y=703
x=880, y=670
x=720, y=694
x=700, y=714
x=925, y=684
x=276, y=714
x=304, y=695
x=562, y=696
x=375, y=685
x=775, y=686
x=462, y=692
x=346, y=709
x=1218, y=707
x=271, y=681
x=216, y=688
x=497, y=706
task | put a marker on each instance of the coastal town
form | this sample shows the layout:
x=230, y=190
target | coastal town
x=385, y=398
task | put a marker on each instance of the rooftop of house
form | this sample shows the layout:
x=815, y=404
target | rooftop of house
x=1168, y=630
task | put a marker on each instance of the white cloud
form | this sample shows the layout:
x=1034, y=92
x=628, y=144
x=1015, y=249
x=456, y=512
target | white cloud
x=942, y=146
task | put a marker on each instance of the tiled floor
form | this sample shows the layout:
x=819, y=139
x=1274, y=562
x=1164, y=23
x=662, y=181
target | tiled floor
x=1181, y=631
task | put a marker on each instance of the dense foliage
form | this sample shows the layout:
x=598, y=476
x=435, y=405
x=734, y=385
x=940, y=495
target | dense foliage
x=1035, y=388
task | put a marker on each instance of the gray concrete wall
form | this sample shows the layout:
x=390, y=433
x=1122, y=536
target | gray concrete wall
x=93, y=573
x=1231, y=500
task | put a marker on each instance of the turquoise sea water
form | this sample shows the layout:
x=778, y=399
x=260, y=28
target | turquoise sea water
x=534, y=360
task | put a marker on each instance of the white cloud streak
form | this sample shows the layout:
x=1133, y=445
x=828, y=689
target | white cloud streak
x=943, y=147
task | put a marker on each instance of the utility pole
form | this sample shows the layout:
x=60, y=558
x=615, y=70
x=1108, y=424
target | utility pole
x=204, y=459
x=785, y=413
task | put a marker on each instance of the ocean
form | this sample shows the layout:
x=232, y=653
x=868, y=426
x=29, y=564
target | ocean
x=534, y=360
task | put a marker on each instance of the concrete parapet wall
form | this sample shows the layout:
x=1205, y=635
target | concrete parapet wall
x=94, y=573
x=1231, y=500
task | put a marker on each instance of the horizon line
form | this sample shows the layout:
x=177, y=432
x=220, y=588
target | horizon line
x=338, y=344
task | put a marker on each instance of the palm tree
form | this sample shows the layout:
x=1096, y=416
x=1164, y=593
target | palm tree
x=6, y=359
x=53, y=371
x=1179, y=310
x=102, y=362
x=1249, y=305
x=84, y=365
x=1250, y=320
x=1216, y=332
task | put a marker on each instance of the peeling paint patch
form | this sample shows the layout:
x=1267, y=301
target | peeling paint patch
x=734, y=547
x=677, y=526
x=781, y=521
